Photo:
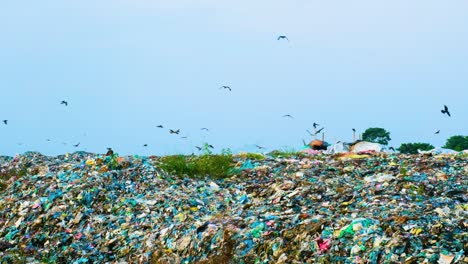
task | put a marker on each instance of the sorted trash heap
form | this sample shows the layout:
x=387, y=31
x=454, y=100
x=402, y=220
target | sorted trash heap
x=349, y=208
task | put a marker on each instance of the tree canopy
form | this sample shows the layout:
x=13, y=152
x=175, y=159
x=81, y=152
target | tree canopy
x=412, y=148
x=457, y=143
x=377, y=135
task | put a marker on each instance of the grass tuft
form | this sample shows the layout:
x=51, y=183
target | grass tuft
x=215, y=166
x=251, y=156
x=287, y=153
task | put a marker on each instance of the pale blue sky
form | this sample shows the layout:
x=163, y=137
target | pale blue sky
x=126, y=66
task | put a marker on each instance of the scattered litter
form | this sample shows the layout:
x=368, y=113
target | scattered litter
x=343, y=208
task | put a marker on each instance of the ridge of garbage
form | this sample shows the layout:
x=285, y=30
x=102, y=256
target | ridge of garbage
x=343, y=208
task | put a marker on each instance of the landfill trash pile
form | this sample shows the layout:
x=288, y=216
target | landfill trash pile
x=344, y=208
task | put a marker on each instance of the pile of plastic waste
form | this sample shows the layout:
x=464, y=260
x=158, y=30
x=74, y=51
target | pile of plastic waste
x=344, y=208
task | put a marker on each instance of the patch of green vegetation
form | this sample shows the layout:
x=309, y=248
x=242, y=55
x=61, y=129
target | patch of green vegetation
x=215, y=166
x=412, y=148
x=287, y=153
x=176, y=164
x=457, y=143
x=251, y=156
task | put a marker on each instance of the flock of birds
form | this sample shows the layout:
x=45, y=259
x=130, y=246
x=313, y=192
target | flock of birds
x=444, y=111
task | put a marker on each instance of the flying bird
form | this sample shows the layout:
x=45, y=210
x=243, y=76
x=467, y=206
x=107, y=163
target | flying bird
x=290, y=116
x=445, y=111
x=225, y=87
x=315, y=125
x=391, y=148
x=199, y=148
x=204, y=128
x=320, y=130
x=160, y=126
x=438, y=131
x=354, y=130
x=145, y=145
x=5, y=122
x=260, y=147
x=283, y=37
x=184, y=137
x=64, y=103
x=77, y=145
x=174, y=131
x=211, y=146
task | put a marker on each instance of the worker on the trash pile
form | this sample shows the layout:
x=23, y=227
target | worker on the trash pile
x=110, y=152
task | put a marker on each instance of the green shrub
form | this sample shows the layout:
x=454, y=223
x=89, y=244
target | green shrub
x=457, y=143
x=412, y=148
x=251, y=156
x=215, y=166
x=286, y=153
x=176, y=164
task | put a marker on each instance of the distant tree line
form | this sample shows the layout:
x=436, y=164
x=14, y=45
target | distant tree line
x=412, y=148
x=382, y=136
x=458, y=143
